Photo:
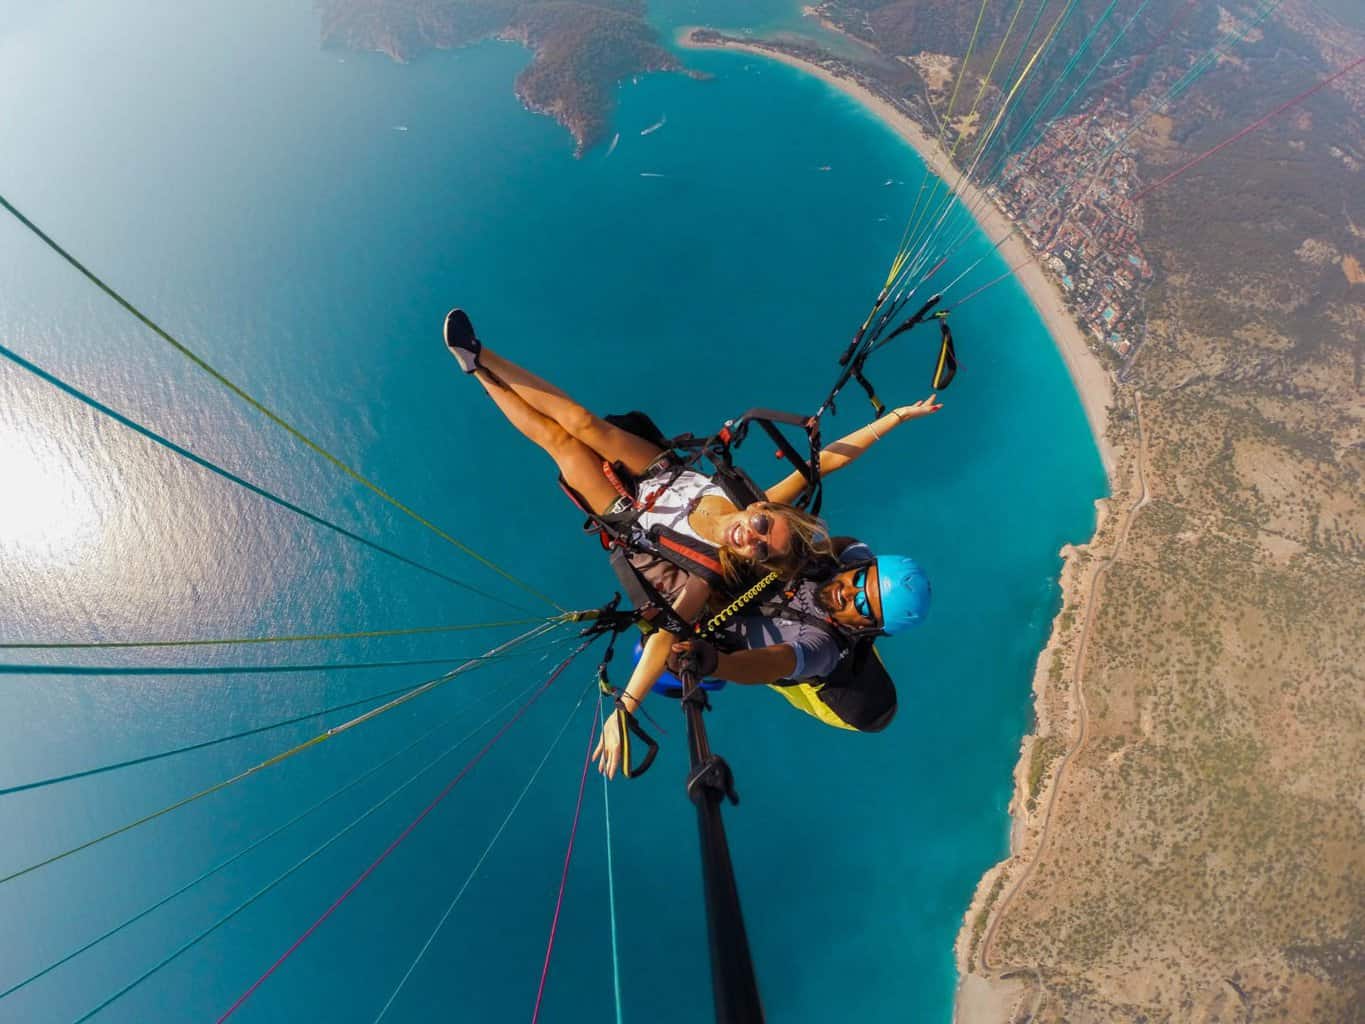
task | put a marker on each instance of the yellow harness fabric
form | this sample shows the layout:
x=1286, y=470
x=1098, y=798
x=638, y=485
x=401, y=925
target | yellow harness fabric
x=805, y=696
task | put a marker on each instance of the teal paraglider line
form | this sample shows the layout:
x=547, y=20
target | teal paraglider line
x=235, y=670
x=295, y=638
x=217, y=670
x=227, y=474
x=564, y=874
x=191, y=943
x=474, y=871
x=218, y=741
x=611, y=891
x=1099, y=62
x=398, y=840
x=263, y=409
x=256, y=844
x=269, y=762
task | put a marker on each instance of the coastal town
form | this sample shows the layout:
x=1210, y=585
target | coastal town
x=1084, y=233
x=1148, y=744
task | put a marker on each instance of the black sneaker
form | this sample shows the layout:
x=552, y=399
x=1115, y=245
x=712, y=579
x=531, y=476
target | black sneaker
x=460, y=339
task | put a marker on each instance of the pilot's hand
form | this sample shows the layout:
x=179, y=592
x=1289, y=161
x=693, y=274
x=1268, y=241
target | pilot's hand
x=707, y=658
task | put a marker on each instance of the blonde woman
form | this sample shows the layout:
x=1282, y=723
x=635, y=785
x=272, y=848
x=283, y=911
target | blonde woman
x=689, y=505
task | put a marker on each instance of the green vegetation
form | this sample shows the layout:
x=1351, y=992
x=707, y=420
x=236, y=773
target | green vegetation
x=1046, y=750
x=583, y=47
x=1205, y=850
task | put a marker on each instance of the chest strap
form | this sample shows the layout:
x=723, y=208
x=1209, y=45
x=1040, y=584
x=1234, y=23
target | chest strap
x=689, y=554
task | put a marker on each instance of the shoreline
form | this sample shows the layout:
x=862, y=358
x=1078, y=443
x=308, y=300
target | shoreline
x=1090, y=378
x=984, y=994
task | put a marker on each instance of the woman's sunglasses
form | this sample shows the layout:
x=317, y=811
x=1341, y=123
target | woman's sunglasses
x=761, y=524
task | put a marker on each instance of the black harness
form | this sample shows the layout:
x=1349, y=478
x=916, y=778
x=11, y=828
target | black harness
x=634, y=553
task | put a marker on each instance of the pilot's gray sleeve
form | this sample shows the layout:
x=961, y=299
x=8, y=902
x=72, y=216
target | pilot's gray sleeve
x=817, y=654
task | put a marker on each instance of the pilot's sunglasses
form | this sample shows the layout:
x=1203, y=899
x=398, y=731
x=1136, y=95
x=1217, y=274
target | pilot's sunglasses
x=860, y=599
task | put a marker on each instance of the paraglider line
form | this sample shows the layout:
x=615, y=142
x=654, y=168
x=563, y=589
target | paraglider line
x=257, y=844
x=185, y=947
x=474, y=871
x=263, y=409
x=1248, y=129
x=398, y=840
x=232, y=477
x=370, y=634
x=564, y=874
x=611, y=892
x=269, y=762
x=244, y=734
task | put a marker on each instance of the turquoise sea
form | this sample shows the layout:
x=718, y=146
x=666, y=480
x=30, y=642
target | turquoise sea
x=255, y=194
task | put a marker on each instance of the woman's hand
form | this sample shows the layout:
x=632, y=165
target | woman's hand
x=924, y=407
x=608, y=752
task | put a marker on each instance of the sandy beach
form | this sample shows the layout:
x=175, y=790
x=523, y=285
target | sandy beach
x=985, y=996
x=1092, y=380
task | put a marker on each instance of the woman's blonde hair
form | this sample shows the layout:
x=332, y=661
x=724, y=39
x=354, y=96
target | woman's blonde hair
x=809, y=542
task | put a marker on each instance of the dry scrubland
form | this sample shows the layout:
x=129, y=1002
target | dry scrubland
x=1203, y=856
x=1189, y=840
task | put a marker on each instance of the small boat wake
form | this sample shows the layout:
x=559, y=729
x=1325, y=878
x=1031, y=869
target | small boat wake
x=656, y=125
x=612, y=148
x=651, y=174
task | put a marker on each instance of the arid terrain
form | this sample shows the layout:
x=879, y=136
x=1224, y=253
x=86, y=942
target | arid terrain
x=1189, y=840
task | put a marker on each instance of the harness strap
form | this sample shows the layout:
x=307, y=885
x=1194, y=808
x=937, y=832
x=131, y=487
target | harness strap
x=687, y=553
x=613, y=478
x=626, y=725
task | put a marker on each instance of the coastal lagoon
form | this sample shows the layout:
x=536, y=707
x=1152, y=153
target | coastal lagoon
x=304, y=218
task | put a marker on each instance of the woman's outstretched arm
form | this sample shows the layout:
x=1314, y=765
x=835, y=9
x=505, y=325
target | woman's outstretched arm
x=837, y=455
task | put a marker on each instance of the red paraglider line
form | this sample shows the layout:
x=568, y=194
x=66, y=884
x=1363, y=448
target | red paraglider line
x=559, y=669
x=1249, y=128
x=564, y=875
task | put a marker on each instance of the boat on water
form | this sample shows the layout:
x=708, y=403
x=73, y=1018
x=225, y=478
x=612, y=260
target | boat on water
x=656, y=125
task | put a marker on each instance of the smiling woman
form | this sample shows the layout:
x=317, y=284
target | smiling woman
x=54, y=513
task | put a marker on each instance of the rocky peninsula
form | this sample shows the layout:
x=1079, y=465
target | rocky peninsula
x=582, y=47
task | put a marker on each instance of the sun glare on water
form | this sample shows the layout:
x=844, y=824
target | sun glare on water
x=49, y=508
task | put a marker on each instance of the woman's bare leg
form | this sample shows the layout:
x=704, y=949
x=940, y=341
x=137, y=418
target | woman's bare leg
x=579, y=465
x=615, y=444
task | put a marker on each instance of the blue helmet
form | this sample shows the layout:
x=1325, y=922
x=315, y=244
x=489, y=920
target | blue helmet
x=905, y=591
